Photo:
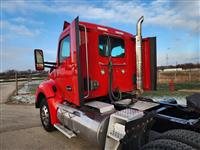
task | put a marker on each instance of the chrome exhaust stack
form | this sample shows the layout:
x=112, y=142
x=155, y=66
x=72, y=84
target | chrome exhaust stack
x=139, y=56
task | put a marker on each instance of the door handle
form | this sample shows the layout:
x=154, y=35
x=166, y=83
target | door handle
x=69, y=88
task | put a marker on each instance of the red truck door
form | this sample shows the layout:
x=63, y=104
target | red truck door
x=68, y=71
x=121, y=76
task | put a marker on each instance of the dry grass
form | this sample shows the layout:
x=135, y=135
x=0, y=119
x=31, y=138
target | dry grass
x=179, y=76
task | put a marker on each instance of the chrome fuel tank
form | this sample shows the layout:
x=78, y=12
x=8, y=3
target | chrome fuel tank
x=91, y=126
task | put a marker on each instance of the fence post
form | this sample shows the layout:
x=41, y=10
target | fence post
x=29, y=79
x=175, y=74
x=199, y=74
x=16, y=80
x=190, y=75
x=159, y=76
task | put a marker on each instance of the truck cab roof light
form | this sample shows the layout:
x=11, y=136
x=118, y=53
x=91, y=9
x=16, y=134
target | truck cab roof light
x=101, y=28
x=118, y=32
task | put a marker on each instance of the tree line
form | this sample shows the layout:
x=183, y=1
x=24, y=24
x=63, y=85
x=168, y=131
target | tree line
x=183, y=66
x=10, y=74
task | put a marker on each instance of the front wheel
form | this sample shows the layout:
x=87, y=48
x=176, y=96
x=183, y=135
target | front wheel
x=45, y=116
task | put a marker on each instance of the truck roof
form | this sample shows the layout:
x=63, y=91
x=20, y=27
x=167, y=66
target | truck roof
x=106, y=29
x=97, y=27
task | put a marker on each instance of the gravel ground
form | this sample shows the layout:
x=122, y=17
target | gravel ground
x=20, y=129
x=25, y=94
x=180, y=99
x=6, y=89
x=23, y=99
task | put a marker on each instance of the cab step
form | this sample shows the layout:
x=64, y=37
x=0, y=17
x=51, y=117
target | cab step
x=68, y=133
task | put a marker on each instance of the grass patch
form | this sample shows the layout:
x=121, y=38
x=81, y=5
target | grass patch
x=32, y=90
x=163, y=89
x=187, y=85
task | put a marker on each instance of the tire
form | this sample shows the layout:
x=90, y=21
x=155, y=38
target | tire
x=45, y=116
x=185, y=136
x=164, y=144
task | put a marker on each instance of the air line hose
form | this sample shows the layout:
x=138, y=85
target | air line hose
x=112, y=97
x=110, y=78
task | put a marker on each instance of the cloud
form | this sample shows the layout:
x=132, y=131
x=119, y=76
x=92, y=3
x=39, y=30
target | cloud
x=165, y=13
x=173, y=57
x=18, y=29
x=22, y=20
x=169, y=14
x=16, y=57
x=179, y=14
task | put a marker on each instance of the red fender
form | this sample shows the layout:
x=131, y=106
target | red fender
x=46, y=88
x=53, y=98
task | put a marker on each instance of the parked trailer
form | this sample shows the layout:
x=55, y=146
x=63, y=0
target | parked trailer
x=94, y=90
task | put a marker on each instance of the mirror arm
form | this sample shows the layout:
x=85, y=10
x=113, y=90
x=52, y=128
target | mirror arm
x=47, y=66
x=49, y=63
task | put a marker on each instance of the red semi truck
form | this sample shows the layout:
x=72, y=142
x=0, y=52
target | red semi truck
x=94, y=90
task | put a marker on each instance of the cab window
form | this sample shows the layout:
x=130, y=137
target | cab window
x=64, y=49
x=111, y=46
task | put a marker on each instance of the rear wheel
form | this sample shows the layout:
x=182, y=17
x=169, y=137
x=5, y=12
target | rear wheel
x=45, y=116
x=164, y=144
x=185, y=136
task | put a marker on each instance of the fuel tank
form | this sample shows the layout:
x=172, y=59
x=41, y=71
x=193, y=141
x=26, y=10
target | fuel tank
x=92, y=126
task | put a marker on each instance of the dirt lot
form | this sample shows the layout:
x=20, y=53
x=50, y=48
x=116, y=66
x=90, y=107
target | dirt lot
x=179, y=76
x=20, y=129
x=6, y=89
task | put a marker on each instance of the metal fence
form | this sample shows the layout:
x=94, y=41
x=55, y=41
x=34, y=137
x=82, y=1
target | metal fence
x=188, y=75
x=21, y=79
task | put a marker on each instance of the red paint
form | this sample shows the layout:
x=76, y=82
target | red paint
x=95, y=61
x=145, y=64
x=66, y=74
x=52, y=98
x=171, y=86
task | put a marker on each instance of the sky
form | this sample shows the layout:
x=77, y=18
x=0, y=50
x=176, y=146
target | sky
x=26, y=25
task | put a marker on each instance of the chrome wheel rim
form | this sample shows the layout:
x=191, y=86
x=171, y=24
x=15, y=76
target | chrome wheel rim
x=45, y=115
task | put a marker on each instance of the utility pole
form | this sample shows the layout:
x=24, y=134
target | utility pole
x=175, y=73
x=16, y=80
x=167, y=60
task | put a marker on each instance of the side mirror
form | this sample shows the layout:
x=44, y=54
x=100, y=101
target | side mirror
x=39, y=59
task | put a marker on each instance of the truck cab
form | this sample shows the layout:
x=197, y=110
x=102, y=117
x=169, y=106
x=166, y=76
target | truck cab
x=94, y=89
x=85, y=50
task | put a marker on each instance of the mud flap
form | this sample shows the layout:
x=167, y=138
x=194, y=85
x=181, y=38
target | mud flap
x=137, y=132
